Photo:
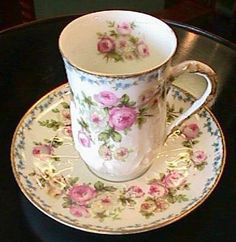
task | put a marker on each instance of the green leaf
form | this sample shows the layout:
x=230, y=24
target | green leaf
x=111, y=24
x=73, y=181
x=55, y=110
x=181, y=198
x=133, y=25
x=127, y=201
x=100, y=35
x=99, y=186
x=88, y=100
x=162, y=175
x=124, y=99
x=116, y=136
x=56, y=142
x=202, y=166
x=194, y=142
x=187, y=144
x=56, y=158
x=171, y=199
x=131, y=103
x=110, y=188
x=51, y=124
x=141, y=120
x=113, y=33
x=83, y=124
x=134, y=40
x=117, y=57
x=104, y=136
x=67, y=202
x=65, y=105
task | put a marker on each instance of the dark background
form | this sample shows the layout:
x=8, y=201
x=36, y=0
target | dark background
x=30, y=66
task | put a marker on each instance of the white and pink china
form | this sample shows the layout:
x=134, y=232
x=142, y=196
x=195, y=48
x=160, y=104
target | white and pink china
x=53, y=176
x=118, y=65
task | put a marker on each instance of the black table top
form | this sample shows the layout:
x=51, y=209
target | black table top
x=30, y=66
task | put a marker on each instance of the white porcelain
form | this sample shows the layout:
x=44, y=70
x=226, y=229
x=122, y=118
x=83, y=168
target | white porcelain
x=53, y=176
x=119, y=69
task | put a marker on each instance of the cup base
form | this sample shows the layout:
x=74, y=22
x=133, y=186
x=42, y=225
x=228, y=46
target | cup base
x=112, y=178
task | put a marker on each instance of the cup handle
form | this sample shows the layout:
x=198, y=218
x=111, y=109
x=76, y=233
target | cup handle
x=199, y=68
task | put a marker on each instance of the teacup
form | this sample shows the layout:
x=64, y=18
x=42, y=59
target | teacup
x=118, y=65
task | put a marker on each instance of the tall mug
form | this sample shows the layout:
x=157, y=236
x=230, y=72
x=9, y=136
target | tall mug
x=119, y=69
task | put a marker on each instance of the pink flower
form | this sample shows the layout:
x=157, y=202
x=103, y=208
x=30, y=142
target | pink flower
x=135, y=192
x=105, y=152
x=148, y=207
x=129, y=55
x=121, y=153
x=105, y=45
x=95, y=118
x=68, y=130
x=161, y=205
x=106, y=98
x=143, y=49
x=157, y=190
x=66, y=114
x=173, y=179
x=84, y=139
x=121, y=118
x=124, y=28
x=82, y=194
x=79, y=211
x=198, y=157
x=42, y=151
x=104, y=203
x=191, y=131
x=122, y=43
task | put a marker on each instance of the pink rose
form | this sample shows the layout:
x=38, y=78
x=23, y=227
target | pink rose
x=121, y=118
x=173, y=179
x=143, y=49
x=42, y=151
x=162, y=205
x=157, y=190
x=105, y=45
x=191, y=131
x=105, y=152
x=82, y=194
x=79, y=211
x=122, y=43
x=198, y=157
x=121, y=153
x=84, y=139
x=68, y=130
x=106, y=98
x=66, y=114
x=135, y=191
x=124, y=28
x=148, y=207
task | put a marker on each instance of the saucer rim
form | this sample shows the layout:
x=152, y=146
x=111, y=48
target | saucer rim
x=104, y=230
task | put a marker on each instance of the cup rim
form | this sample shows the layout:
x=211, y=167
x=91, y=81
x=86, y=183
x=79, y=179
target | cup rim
x=114, y=75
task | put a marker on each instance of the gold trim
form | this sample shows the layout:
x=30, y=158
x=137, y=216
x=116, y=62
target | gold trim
x=95, y=229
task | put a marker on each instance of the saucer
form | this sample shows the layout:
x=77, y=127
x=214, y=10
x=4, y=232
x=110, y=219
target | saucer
x=51, y=174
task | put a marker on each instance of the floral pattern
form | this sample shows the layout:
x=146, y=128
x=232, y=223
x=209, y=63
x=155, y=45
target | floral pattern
x=102, y=201
x=119, y=44
x=111, y=118
x=162, y=194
